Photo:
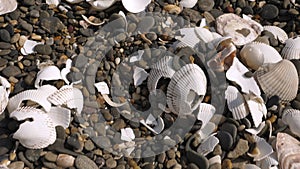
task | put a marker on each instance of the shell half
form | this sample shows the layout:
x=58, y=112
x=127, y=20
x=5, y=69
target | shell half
x=206, y=112
x=4, y=93
x=135, y=6
x=7, y=6
x=47, y=73
x=100, y=4
x=291, y=117
x=277, y=32
x=291, y=49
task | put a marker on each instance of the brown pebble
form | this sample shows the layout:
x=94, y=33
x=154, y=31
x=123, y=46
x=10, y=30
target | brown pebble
x=227, y=164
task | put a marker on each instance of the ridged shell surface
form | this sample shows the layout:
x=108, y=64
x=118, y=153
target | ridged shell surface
x=277, y=32
x=279, y=79
x=291, y=117
x=291, y=49
x=206, y=112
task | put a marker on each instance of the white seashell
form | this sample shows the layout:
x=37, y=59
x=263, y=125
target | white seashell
x=127, y=134
x=241, y=30
x=236, y=103
x=186, y=89
x=206, y=131
x=53, y=2
x=251, y=166
x=65, y=71
x=208, y=145
x=28, y=47
x=74, y=1
x=47, y=73
x=159, y=124
x=139, y=75
x=90, y=22
x=215, y=160
x=188, y=3
x=101, y=4
x=69, y=96
x=291, y=49
x=206, y=112
x=60, y=116
x=256, y=107
x=36, y=134
x=269, y=162
x=137, y=57
x=7, y=6
x=277, y=32
x=162, y=68
x=236, y=74
x=279, y=79
x=37, y=95
x=134, y=6
x=4, y=93
x=256, y=54
x=264, y=148
x=256, y=130
x=287, y=151
x=102, y=87
x=191, y=36
x=291, y=118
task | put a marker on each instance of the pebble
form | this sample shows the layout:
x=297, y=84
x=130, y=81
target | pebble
x=192, y=166
x=5, y=146
x=89, y=145
x=29, y=2
x=226, y=140
x=83, y=162
x=145, y=24
x=43, y=49
x=3, y=62
x=230, y=128
x=27, y=163
x=269, y=11
x=102, y=141
x=50, y=156
x=206, y=5
x=11, y=71
x=52, y=24
x=119, y=124
x=33, y=155
x=111, y=163
x=4, y=45
x=171, y=163
x=4, y=35
x=26, y=26
x=65, y=160
x=16, y=165
x=240, y=149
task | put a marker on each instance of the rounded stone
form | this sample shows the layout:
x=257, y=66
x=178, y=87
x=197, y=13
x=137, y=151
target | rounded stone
x=43, y=49
x=65, y=160
x=33, y=155
x=51, y=157
x=83, y=162
x=4, y=35
x=269, y=11
x=230, y=128
x=16, y=165
x=226, y=140
x=111, y=163
x=206, y=5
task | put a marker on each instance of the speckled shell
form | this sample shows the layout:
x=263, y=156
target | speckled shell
x=291, y=117
x=291, y=49
x=7, y=6
x=256, y=54
x=186, y=89
x=288, y=151
x=277, y=32
x=279, y=79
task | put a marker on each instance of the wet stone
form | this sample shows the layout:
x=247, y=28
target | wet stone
x=51, y=157
x=102, y=141
x=226, y=140
x=52, y=24
x=230, y=128
x=29, y=2
x=16, y=165
x=4, y=35
x=83, y=162
x=33, y=155
x=89, y=145
x=119, y=124
x=4, y=45
x=269, y=11
x=11, y=71
x=206, y=5
x=111, y=163
x=192, y=166
x=3, y=62
x=240, y=149
x=26, y=26
x=5, y=146
x=43, y=49
x=145, y=24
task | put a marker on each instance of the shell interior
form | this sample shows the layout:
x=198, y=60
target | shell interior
x=127, y=134
x=60, y=116
x=256, y=107
x=8, y=6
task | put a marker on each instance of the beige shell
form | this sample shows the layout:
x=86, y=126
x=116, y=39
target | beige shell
x=277, y=32
x=65, y=160
x=241, y=30
x=186, y=89
x=291, y=49
x=291, y=117
x=288, y=151
x=256, y=54
x=4, y=93
x=279, y=79
x=7, y=6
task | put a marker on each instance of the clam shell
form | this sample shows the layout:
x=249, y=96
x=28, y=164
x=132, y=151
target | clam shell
x=236, y=74
x=256, y=54
x=256, y=130
x=4, y=93
x=7, y=6
x=291, y=49
x=127, y=134
x=279, y=79
x=69, y=96
x=241, y=30
x=206, y=112
x=236, y=103
x=186, y=89
x=288, y=151
x=277, y=32
x=47, y=73
x=39, y=96
x=100, y=4
x=208, y=145
x=269, y=162
x=135, y=6
x=188, y=3
x=291, y=117
x=35, y=134
x=256, y=107
x=264, y=148
x=60, y=116
x=139, y=75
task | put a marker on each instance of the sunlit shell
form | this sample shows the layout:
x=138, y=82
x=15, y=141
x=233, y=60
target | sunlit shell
x=256, y=130
x=291, y=117
x=291, y=49
x=139, y=75
x=162, y=68
x=69, y=96
x=270, y=162
x=53, y=2
x=236, y=103
x=208, y=145
x=265, y=149
x=215, y=160
x=186, y=89
x=74, y=1
x=65, y=71
x=277, y=32
x=256, y=107
x=4, y=93
x=88, y=20
x=48, y=73
x=251, y=166
x=288, y=151
x=127, y=134
x=102, y=88
x=28, y=47
x=191, y=36
x=188, y=3
x=158, y=124
x=241, y=30
x=135, y=6
x=101, y=4
x=60, y=116
x=206, y=111
x=256, y=54
x=207, y=130
x=7, y=6
x=38, y=96
x=279, y=79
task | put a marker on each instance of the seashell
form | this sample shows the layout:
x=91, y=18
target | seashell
x=269, y=162
x=206, y=131
x=162, y=68
x=215, y=160
x=173, y=9
x=65, y=71
x=206, y=111
x=236, y=74
x=36, y=134
x=60, y=116
x=139, y=75
x=53, y=2
x=65, y=160
x=37, y=95
x=127, y=134
x=188, y=3
x=158, y=124
x=4, y=93
x=28, y=47
x=47, y=73
x=256, y=54
x=291, y=118
x=102, y=87
x=291, y=49
x=256, y=107
x=7, y=6
x=251, y=166
x=258, y=129
x=101, y=4
x=277, y=32
x=241, y=30
x=134, y=6
x=208, y=145
x=137, y=57
x=264, y=148
x=186, y=89
x=236, y=103
x=191, y=36
x=88, y=20
x=279, y=79
x=287, y=151
x=74, y=1
x=69, y=96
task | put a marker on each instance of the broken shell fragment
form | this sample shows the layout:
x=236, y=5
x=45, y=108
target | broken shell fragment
x=256, y=107
x=28, y=47
x=291, y=49
x=277, y=32
x=102, y=87
x=188, y=3
x=208, y=145
x=89, y=20
x=135, y=6
x=158, y=124
x=47, y=73
x=53, y=2
x=100, y=4
x=74, y=1
x=264, y=148
x=139, y=75
x=206, y=112
x=7, y=6
x=4, y=93
x=291, y=117
x=127, y=134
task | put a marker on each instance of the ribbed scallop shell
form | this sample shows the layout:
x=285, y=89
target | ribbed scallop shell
x=60, y=116
x=288, y=151
x=4, y=93
x=291, y=49
x=162, y=68
x=206, y=112
x=186, y=89
x=47, y=73
x=279, y=79
x=256, y=54
x=291, y=117
x=277, y=32
x=236, y=103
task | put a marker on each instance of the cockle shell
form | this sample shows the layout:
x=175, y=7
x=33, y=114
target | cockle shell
x=288, y=151
x=135, y=6
x=4, y=93
x=277, y=32
x=188, y=3
x=101, y=4
x=291, y=49
x=206, y=112
x=256, y=54
x=241, y=30
x=47, y=73
x=7, y=6
x=279, y=79
x=186, y=89
x=291, y=117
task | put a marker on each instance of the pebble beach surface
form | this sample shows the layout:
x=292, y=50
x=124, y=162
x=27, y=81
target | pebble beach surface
x=89, y=142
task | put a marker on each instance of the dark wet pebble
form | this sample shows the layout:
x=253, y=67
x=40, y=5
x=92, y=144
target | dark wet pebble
x=80, y=61
x=74, y=141
x=26, y=26
x=106, y=114
x=34, y=13
x=296, y=104
x=119, y=124
x=146, y=24
x=241, y=3
x=247, y=10
x=4, y=35
x=50, y=156
x=230, y=128
x=226, y=140
x=101, y=141
x=11, y=71
x=83, y=162
x=5, y=145
x=43, y=49
x=192, y=14
x=192, y=166
x=23, y=158
x=33, y=155
x=29, y=2
x=274, y=100
x=3, y=62
x=269, y=11
x=52, y=24
x=49, y=164
x=5, y=45
x=206, y=5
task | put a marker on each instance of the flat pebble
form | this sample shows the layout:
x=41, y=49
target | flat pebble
x=119, y=124
x=5, y=45
x=230, y=128
x=206, y=5
x=43, y=49
x=171, y=163
x=269, y=11
x=33, y=155
x=102, y=141
x=145, y=24
x=83, y=162
x=52, y=24
x=4, y=35
x=51, y=157
x=226, y=140
x=240, y=149
x=111, y=163
x=192, y=166
x=3, y=62
x=65, y=160
x=5, y=146
x=16, y=165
